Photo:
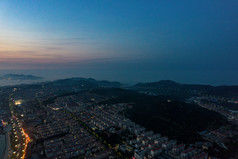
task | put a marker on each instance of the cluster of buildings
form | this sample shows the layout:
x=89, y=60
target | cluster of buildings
x=102, y=117
x=149, y=145
x=219, y=135
x=144, y=144
x=76, y=143
x=57, y=134
x=213, y=103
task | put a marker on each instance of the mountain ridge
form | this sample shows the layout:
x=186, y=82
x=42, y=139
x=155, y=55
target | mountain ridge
x=222, y=90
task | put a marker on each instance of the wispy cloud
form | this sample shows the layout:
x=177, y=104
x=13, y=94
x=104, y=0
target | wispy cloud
x=51, y=52
x=33, y=41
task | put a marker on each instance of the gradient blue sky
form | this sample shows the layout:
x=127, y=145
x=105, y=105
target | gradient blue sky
x=187, y=41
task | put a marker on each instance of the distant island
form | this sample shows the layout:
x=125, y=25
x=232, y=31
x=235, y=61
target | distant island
x=19, y=77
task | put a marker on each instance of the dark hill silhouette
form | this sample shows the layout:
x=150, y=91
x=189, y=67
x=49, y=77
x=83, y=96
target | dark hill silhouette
x=227, y=91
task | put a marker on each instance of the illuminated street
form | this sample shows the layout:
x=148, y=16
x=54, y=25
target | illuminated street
x=20, y=141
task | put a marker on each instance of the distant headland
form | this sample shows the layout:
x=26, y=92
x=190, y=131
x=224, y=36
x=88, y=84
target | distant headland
x=19, y=77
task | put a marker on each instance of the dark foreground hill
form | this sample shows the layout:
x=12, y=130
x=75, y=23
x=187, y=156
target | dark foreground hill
x=175, y=119
x=166, y=115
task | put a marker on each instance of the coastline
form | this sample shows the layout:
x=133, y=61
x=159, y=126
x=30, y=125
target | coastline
x=7, y=144
x=6, y=147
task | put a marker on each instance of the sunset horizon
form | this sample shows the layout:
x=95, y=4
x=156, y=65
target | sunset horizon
x=156, y=40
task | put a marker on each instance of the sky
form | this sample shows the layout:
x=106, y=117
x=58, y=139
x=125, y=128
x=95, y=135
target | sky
x=129, y=41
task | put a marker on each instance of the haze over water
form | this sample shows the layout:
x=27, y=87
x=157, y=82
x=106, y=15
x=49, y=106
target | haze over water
x=128, y=76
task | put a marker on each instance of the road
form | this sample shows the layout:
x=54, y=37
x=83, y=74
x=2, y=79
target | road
x=19, y=139
x=19, y=142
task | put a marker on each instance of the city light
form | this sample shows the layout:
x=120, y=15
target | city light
x=26, y=142
x=18, y=102
x=3, y=123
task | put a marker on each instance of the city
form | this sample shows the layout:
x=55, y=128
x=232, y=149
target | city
x=75, y=121
x=118, y=79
